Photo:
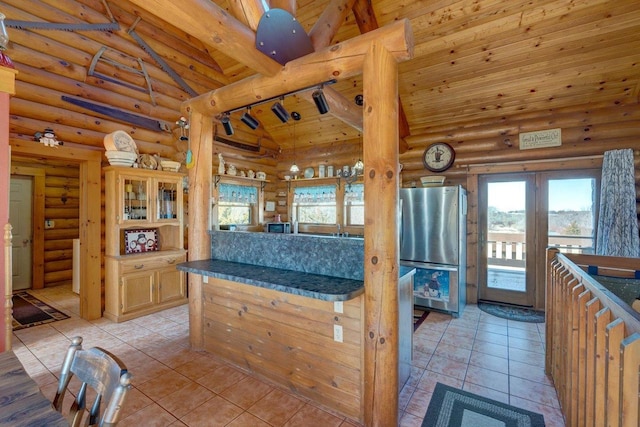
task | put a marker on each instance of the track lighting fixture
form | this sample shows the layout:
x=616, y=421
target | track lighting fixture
x=226, y=124
x=294, y=169
x=321, y=101
x=249, y=120
x=280, y=111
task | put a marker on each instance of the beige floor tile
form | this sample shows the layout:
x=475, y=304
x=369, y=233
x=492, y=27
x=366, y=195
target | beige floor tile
x=184, y=400
x=310, y=415
x=163, y=385
x=246, y=392
x=276, y=407
x=221, y=378
x=213, y=413
x=151, y=416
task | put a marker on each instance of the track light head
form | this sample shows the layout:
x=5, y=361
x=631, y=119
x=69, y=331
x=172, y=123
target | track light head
x=226, y=124
x=321, y=101
x=249, y=120
x=280, y=112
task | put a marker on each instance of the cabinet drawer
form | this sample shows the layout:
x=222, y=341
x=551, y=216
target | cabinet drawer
x=157, y=262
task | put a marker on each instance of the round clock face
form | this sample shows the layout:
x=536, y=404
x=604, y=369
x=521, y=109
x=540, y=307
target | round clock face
x=438, y=157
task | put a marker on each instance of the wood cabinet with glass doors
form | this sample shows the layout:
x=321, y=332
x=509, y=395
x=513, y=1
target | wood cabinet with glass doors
x=144, y=240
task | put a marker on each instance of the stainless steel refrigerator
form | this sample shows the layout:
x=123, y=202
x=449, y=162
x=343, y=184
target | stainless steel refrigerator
x=433, y=239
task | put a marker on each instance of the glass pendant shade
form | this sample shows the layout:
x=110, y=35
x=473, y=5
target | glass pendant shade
x=294, y=168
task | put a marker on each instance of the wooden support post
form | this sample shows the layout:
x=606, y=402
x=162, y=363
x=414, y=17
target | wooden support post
x=380, y=82
x=200, y=180
x=8, y=289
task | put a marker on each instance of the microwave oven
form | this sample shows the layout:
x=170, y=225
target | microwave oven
x=278, y=227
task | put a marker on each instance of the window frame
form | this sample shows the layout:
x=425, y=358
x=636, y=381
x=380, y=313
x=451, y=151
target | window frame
x=341, y=215
x=257, y=215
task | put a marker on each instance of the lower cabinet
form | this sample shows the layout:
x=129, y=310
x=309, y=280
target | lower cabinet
x=143, y=284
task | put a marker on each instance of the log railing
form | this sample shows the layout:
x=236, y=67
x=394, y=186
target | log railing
x=592, y=341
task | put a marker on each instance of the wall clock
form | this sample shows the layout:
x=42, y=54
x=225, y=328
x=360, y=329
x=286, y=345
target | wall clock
x=438, y=157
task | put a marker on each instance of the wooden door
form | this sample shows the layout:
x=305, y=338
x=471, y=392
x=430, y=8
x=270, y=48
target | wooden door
x=20, y=217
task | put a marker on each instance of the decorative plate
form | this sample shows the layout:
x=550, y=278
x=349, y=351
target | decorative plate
x=120, y=141
x=308, y=173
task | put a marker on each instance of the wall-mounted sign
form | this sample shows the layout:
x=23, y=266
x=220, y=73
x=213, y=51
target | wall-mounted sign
x=541, y=139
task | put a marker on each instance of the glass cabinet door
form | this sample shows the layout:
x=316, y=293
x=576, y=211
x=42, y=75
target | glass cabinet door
x=166, y=195
x=136, y=199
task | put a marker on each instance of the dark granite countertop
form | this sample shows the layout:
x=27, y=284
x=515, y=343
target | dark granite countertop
x=327, y=288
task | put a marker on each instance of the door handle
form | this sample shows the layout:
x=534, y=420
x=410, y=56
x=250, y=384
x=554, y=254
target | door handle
x=25, y=242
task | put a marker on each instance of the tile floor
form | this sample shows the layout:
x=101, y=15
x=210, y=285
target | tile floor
x=175, y=386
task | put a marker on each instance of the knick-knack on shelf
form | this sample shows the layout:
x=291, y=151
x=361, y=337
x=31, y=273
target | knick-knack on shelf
x=220, y=164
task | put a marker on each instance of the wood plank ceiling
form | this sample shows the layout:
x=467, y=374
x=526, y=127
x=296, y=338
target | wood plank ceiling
x=476, y=62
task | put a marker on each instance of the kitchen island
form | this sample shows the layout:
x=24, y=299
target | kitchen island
x=301, y=330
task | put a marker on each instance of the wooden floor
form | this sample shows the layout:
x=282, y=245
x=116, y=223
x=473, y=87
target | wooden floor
x=174, y=386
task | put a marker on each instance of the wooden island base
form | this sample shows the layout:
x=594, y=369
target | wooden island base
x=288, y=339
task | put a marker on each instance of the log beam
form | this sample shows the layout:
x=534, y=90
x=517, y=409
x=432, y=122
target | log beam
x=340, y=61
x=381, y=256
x=248, y=11
x=288, y=5
x=329, y=22
x=228, y=35
x=366, y=20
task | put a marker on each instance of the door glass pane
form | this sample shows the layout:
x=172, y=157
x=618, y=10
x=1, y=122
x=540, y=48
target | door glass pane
x=572, y=215
x=506, y=235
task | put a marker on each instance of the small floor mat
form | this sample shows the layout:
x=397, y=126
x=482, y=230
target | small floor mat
x=451, y=407
x=29, y=311
x=521, y=314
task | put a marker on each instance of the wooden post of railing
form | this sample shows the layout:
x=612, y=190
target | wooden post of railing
x=8, y=286
x=615, y=335
x=593, y=307
x=630, y=350
x=603, y=318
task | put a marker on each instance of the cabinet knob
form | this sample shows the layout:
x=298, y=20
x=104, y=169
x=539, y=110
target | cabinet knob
x=139, y=266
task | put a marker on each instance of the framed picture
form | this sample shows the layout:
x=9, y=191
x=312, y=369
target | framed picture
x=137, y=241
x=270, y=206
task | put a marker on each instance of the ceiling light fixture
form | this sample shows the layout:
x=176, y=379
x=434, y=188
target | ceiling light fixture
x=321, y=101
x=249, y=120
x=294, y=169
x=280, y=112
x=226, y=124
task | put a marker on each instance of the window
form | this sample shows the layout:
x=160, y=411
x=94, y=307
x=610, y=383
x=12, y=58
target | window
x=237, y=204
x=315, y=205
x=354, y=204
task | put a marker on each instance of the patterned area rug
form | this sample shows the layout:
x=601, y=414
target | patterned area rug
x=30, y=311
x=521, y=314
x=418, y=317
x=451, y=407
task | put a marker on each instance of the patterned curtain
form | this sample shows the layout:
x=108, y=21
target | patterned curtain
x=617, y=232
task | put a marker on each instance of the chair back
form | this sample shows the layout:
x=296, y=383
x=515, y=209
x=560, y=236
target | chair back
x=99, y=371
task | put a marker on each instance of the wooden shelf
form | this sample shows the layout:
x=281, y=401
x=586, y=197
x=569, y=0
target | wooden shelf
x=218, y=178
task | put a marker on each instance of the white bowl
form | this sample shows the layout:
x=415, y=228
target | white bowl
x=120, y=158
x=432, y=180
x=170, y=165
x=122, y=155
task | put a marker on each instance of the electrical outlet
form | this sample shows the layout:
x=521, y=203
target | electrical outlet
x=205, y=279
x=337, y=333
x=338, y=307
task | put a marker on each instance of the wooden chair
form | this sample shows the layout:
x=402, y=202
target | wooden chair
x=104, y=374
